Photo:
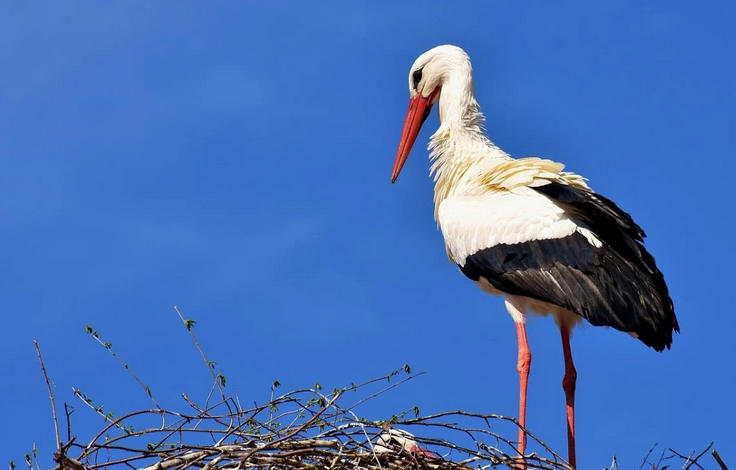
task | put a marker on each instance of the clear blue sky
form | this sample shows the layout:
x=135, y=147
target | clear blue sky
x=234, y=159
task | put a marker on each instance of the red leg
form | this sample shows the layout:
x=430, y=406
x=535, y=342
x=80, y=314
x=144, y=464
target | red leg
x=523, y=366
x=568, y=384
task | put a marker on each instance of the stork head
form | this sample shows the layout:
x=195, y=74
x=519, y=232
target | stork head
x=427, y=75
x=398, y=441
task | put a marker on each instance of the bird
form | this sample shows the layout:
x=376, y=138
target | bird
x=397, y=441
x=526, y=230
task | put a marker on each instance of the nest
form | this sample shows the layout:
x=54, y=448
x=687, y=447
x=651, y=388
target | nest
x=308, y=429
x=303, y=429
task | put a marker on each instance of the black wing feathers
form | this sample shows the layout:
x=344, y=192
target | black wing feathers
x=602, y=216
x=617, y=284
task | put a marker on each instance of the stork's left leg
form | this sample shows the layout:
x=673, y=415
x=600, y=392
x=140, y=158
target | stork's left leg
x=522, y=366
x=568, y=384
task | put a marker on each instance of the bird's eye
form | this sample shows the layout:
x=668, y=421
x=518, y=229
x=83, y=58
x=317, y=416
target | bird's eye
x=417, y=77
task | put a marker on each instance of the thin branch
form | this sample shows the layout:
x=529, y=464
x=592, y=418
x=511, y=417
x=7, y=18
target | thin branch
x=689, y=462
x=217, y=378
x=94, y=334
x=386, y=389
x=51, y=395
x=68, y=420
x=646, y=457
x=718, y=458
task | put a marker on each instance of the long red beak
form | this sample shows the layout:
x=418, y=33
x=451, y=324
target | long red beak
x=426, y=453
x=419, y=108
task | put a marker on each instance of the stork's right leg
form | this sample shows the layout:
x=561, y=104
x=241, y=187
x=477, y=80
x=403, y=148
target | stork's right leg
x=568, y=384
x=523, y=365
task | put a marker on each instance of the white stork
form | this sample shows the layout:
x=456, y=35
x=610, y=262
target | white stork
x=526, y=230
x=398, y=441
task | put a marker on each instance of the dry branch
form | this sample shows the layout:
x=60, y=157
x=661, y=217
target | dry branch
x=51, y=394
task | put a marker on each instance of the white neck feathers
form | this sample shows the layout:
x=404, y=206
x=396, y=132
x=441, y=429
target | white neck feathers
x=460, y=143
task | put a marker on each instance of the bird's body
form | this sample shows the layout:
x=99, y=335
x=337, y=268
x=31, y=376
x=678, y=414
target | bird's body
x=529, y=231
x=516, y=228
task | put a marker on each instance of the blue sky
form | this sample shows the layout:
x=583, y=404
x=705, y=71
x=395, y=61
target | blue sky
x=234, y=158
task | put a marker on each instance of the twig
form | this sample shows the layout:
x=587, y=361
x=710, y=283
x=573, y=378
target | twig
x=689, y=462
x=300, y=428
x=718, y=458
x=68, y=420
x=646, y=457
x=92, y=332
x=207, y=363
x=386, y=389
x=51, y=395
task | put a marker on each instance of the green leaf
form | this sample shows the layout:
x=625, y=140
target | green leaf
x=407, y=369
x=212, y=364
x=189, y=323
x=222, y=379
x=322, y=402
x=416, y=411
x=12, y=465
x=88, y=328
x=317, y=386
x=276, y=384
x=108, y=345
x=148, y=390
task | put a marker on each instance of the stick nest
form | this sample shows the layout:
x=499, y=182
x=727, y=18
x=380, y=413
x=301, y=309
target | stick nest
x=303, y=429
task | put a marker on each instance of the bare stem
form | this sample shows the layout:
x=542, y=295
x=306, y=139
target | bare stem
x=51, y=395
x=120, y=360
x=718, y=458
x=207, y=363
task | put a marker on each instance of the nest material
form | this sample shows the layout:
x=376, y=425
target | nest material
x=303, y=429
